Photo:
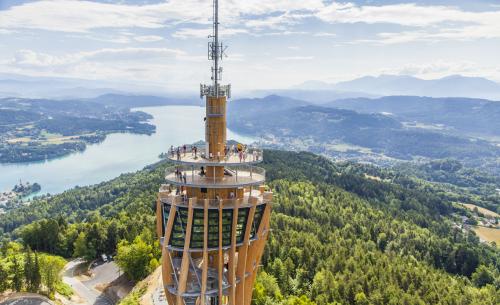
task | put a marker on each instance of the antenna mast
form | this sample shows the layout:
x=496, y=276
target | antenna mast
x=216, y=52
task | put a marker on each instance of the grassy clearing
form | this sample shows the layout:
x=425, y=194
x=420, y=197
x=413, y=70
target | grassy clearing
x=482, y=210
x=488, y=234
x=343, y=147
x=372, y=177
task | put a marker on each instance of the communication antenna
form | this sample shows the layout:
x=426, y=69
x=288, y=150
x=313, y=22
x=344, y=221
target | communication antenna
x=216, y=51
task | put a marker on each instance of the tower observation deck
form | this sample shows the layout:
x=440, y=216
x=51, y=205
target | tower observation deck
x=213, y=210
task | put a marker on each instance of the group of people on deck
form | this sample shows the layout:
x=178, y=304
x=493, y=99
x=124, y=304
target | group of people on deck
x=240, y=150
x=181, y=151
x=180, y=176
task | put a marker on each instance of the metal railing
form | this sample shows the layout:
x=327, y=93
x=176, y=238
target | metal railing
x=182, y=200
x=198, y=154
x=234, y=176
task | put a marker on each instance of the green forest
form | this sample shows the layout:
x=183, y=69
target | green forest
x=337, y=236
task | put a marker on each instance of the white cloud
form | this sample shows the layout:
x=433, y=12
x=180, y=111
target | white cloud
x=29, y=58
x=148, y=38
x=294, y=58
x=403, y=14
x=324, y=34
x=432, y=23
x=83, y=16
x=136, y=65
x=279, y=21
x=282, y=33
x=441, y=68
x=186, y=33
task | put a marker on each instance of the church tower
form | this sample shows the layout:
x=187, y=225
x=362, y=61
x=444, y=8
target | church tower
x=213, y=211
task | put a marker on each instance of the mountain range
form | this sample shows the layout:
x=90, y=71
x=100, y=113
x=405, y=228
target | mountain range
x=316, y=92
x=384, y=85
x=431, y=128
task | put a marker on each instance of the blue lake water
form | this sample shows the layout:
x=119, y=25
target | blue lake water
x=119, y=153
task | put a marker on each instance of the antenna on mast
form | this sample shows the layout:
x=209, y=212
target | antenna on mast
x=215, y=53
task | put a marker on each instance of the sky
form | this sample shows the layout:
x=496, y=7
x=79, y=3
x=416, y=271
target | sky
x=271, y=43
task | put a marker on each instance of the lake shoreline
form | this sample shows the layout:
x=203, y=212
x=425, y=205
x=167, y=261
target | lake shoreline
x=119, y=153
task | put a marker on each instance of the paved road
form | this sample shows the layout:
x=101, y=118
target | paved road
x=29, y=300
x=87, y=293
x=103, y=273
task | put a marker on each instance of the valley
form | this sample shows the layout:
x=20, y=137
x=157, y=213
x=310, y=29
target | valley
x=118, y=153
x=401, y=235
x=377, y=130
x=402, y=174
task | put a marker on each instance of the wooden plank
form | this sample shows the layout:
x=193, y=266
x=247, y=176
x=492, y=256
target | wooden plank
x=216, y=127
x=204, y=274
x=166, y=265
x=255, y=252
x=220, y=260
x=185, y=254
x=159, y=218
x=242, y=253
x=232, y=254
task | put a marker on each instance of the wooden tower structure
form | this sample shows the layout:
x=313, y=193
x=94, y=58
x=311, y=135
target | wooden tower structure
x=213, y=211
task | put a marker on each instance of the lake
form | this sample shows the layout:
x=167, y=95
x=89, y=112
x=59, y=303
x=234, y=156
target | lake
x=119, y=153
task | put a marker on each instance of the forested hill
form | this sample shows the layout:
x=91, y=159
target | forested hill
x=290, y=124
x=338, y=237
x=462, y=115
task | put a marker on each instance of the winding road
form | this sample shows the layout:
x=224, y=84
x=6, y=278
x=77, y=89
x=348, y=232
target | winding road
x=104, y=273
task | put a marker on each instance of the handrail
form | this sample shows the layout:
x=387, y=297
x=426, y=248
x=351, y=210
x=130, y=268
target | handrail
x=234, y=176
x=198, y=154
x=181, y=200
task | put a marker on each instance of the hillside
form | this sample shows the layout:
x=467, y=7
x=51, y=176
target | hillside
x=295, y=125
x=42, y=129
x=459, y=115
x=337, y=236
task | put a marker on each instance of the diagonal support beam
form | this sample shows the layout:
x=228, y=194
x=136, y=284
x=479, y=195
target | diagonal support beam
x=185, y=255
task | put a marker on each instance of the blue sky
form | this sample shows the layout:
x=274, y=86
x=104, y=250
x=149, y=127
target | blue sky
x=272, y=44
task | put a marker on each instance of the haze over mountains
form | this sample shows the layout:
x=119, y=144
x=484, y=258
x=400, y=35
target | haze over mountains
x=384, y=85
x=399, y=127
x=14, y=85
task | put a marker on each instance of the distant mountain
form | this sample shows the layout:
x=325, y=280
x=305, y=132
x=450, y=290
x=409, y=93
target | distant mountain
x=464, y=115
x=255, y=106
x=295, y=120
x=451, y=86
x=313, y=95
x=130, y=101
x=315, y=85
x=15, y=85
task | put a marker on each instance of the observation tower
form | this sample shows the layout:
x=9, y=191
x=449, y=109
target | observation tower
x=213, y=210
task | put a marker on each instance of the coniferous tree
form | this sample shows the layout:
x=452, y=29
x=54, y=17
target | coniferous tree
x=36, y=277
x=17, y=280
x=28, y=270
x=4, y=275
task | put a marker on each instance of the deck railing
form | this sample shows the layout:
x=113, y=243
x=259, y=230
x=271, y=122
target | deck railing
x=182, y=200
x=234, y=176
x=248, y=154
